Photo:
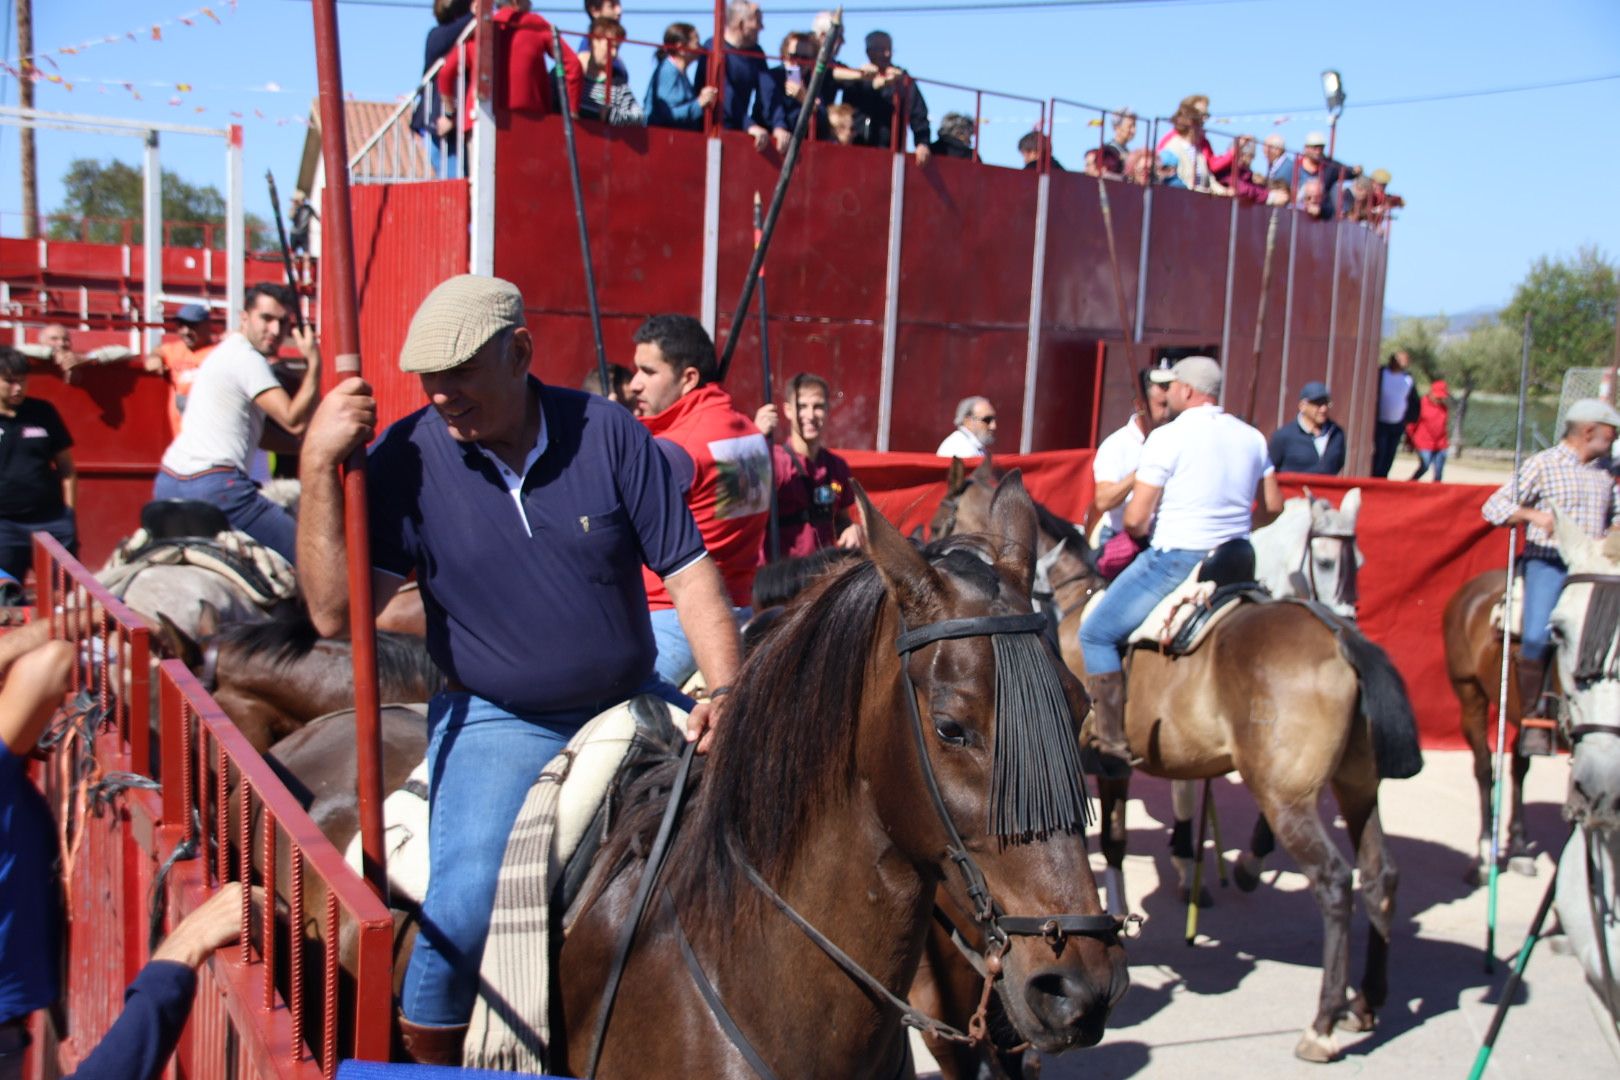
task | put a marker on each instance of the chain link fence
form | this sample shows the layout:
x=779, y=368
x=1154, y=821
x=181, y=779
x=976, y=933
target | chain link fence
x=1583, y=382
x=1486, y=424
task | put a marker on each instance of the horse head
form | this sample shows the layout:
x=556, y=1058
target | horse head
x=1586, y=629
x=1334, y=556
x=992, y=723
x=966, y=502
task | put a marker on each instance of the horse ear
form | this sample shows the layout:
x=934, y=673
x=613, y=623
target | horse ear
x=207, y=619
x=956, y=479
x=910, y=580
x=1573, y=543
x=986, y=470
x=178, y=643
x=1351, y=506
x=1013, y=523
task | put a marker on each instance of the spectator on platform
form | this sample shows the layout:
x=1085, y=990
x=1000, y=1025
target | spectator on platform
x=619, y=376
x=792, y=79
x=1105, y=161
x=747, y=90
x=1141, y=166
x=234, y=393
x=1314, y=164
x=1184, y=148
x=883, y=91
x=1124, y=132
x=1398, y=405
x=1277, y=193
x=1382, y=201
x=671, y=99
x=1312, y=442
x=975, y=430
x=814, y=488
x=679, y=400
x=523, y=51
x=38, y=482
x=1240, y=177
x=1356, y=205
x=452, y=17
x=844, y=123
x=299, y=219
x=955, y=136
x=1311, y=200
x=1030, y=148
x=1195, y=108
x=178, y=360
x=602, y=9
x=56, y=344
x=1114, y=466
x=1430, y=434
x=607, y=96
x=1276, y=163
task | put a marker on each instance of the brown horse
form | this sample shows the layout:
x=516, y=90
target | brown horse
x=1294, y=703
x=1474, y=665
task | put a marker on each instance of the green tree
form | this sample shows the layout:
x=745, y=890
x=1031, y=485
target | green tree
x=1571, y=304
x=100, y=195
x=1420, y=339
x=1486, y=359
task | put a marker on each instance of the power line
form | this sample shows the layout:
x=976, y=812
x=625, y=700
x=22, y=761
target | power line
x=872, y=9
x=1423, y=98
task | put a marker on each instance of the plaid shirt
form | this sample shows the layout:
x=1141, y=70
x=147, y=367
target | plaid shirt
x=1556, y=477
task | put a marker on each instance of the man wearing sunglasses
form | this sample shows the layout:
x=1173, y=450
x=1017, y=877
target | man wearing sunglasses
x=975, y=430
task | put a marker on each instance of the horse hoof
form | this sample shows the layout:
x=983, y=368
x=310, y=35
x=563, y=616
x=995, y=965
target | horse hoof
x=1246, y=873
x=1523, y=864
x=1357, y=1021
x=1318, y=1049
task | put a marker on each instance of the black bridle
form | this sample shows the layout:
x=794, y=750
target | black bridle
x=1346, y=591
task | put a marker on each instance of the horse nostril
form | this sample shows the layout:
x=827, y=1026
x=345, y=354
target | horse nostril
x=1060, y=1001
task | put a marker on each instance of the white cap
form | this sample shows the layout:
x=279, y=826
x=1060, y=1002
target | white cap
x=1316, y=138
x=1592, y=411
x=1199, y=372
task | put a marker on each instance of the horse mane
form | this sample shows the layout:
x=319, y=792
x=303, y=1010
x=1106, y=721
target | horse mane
x=786, y=750
x=778, y=582
x=1066, y=531
x=284, y=642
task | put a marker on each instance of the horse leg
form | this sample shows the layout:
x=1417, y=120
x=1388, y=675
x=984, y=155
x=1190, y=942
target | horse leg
x=1475, y=712
x=1301, y=832
x=1358, y=801
x=1183, y=852
x=1252, y=863
x=1113, y=795
x=1520, y=854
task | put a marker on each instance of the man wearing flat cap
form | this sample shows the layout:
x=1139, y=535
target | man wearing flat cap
x=526, y=513
x=1200, y=474
x=1572, y=475
x=1311, y=442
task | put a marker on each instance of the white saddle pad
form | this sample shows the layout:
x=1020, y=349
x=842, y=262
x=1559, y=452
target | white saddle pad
x=1517, y=615
x=1169, y=615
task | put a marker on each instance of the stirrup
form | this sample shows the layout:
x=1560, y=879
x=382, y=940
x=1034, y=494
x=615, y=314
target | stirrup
x=1537, y=737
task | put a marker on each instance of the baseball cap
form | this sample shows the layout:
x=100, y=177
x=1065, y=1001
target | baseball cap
x=455, y=321
x=1380, y=176
x=1199, y=372
x=1592, y=411
x=1160, y=373
x=192, y=313
x=1316, y=138
x=1315, y=390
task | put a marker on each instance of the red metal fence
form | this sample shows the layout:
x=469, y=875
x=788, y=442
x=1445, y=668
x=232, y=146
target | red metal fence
x=277, y=1005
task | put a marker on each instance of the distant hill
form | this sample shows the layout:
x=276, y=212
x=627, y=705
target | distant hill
x=1456, y=325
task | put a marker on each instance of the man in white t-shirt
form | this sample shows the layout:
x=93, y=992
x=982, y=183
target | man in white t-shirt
x=1201, y=475
x=1397, y=398
x=975, y=430
x=1114, y=465
x=223, y=424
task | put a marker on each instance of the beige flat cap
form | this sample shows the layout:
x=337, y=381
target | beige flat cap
x=1199, y=372
x=456, y=319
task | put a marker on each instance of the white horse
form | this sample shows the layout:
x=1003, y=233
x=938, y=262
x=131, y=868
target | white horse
x=1586, y=629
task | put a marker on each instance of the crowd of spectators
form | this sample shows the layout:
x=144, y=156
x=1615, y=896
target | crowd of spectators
x=871, y=104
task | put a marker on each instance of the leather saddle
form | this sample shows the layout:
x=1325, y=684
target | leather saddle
x=183, y=519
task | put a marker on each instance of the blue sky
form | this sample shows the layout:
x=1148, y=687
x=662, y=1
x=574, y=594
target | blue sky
x=1478, y=172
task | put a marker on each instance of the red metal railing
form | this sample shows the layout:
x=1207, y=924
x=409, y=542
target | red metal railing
x=220, y=799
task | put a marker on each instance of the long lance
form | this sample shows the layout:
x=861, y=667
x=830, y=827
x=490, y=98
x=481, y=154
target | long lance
x=1260, y=314
x=564, y=107
x=1498, y=765
x=1119, y=282
x=789, y=161
x=773, y=536
x=286, y=249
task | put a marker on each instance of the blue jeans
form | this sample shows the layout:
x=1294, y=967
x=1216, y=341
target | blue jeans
x=675, y=661
x=482, y=760
x=1431, y=459
x=236, y=494
x=1151, y=577
x=17, y=544
x=452, y=167
x=1386, y=442
x=1543, y=581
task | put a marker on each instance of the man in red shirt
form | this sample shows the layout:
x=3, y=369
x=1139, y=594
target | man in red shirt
x=1430, y=435
x=523, y=44
x=814, y=492
x=678, y=399
x=178, y=360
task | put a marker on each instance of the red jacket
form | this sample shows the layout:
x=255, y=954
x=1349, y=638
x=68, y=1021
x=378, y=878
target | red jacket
x=731, y=485
x=1429, y=433
x=523, y=42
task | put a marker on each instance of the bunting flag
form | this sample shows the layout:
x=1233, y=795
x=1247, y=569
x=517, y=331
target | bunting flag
x=153, y=32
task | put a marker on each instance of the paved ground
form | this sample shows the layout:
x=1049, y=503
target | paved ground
x=1467, y=470
x=1237, y=1001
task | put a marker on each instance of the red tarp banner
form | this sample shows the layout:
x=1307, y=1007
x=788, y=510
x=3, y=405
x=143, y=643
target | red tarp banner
x=1421, y=543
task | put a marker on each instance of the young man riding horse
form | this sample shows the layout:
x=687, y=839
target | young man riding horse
x=525, y=512
x=1571, y=477
x=1199, y=474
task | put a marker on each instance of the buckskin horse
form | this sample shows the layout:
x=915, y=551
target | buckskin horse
x=1294, y=700
x=903, y=733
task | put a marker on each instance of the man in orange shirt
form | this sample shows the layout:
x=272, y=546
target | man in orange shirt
x=679, y=401
x=179, y=360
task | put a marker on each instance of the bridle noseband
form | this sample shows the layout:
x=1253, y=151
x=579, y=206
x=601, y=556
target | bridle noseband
x=1347, y=590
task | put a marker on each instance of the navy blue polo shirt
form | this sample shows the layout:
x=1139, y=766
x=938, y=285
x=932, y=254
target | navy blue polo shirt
x=544, y=622
x=30, y=920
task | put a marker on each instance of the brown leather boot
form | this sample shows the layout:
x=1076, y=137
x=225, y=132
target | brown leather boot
x=1534, y=739
x=432, y=1045
x=1107, y=693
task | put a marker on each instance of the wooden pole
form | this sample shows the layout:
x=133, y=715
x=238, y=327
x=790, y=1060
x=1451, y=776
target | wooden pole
x=773, y=533
x=25, y=135
x=1260, y=315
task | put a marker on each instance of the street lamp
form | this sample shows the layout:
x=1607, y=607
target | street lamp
x=1333, y=92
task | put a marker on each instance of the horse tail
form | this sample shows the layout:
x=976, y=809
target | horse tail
x=1385, y=706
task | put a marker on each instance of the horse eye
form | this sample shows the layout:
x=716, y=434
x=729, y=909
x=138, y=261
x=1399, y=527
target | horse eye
x=950, y=732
